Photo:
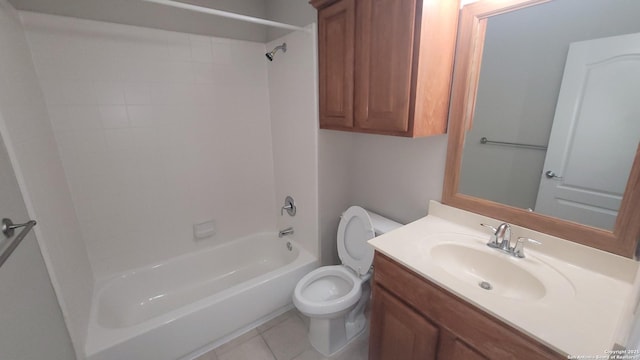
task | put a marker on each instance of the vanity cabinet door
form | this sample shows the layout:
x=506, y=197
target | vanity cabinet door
x=453, y=348
x=398, y=332
x=336, y=26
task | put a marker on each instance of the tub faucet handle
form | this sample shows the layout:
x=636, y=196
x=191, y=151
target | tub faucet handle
x=289, y=205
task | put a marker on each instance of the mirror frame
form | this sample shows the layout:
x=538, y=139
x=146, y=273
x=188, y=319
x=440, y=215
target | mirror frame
x=471, y=33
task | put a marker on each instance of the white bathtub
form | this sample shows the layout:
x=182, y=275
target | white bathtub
x=169, y=310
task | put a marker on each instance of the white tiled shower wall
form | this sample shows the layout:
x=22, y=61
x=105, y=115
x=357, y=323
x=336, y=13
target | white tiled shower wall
x=294, y=130
x=157, y=131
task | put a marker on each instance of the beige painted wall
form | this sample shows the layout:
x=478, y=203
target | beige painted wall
x=31, y=324
x=392, y=176
x=31, y=145
x=396, y=177
x=334, y=165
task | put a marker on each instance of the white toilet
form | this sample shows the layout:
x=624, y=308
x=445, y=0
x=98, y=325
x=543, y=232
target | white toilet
x=335, y=297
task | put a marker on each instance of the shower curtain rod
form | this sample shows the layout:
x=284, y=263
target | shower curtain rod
x=226, y=14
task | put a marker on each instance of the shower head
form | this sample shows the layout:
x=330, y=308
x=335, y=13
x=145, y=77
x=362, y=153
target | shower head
x=270, y=54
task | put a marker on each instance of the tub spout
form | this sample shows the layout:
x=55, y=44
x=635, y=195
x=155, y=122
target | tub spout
x=285, y=232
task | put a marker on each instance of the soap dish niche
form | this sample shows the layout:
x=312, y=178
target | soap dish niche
x=204, y=230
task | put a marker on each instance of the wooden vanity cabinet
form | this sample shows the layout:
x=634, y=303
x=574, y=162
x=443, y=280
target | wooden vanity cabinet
x=385, y=65
x=412, y=318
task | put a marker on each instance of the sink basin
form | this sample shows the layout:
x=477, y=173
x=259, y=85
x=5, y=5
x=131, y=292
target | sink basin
x=488, y=269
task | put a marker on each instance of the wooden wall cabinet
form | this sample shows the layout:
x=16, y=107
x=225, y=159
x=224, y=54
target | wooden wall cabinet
x=385, y=65
x=412, y=318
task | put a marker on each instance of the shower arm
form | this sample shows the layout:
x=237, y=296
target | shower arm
x=273, y=52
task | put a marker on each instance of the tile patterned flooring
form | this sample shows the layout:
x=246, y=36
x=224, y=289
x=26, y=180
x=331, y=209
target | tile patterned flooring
x=283, y=338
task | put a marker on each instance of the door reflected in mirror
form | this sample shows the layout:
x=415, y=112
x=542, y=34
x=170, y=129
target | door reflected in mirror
x=556, y=121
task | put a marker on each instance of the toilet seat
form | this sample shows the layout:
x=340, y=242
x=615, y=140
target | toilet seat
x=311, y=302
x=354, y=230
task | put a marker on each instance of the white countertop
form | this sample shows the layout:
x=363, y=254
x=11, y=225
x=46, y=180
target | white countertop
x=590, y=293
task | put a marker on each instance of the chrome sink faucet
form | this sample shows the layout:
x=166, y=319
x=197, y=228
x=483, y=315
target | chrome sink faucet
x=501, y=240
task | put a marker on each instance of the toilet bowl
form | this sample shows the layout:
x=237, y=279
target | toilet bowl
x=335, y=297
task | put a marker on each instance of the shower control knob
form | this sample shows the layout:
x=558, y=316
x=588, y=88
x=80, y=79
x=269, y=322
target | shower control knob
x=289, y=206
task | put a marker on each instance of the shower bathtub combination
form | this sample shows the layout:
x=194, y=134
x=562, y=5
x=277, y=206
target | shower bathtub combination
x=193, y=302
x=136, y=125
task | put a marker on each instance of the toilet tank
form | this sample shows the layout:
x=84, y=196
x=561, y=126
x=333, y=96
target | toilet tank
x=381, y=224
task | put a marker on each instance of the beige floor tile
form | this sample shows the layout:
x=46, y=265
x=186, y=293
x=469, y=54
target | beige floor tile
x=283, y=338
x=305, y=319
x=253, y=349
x=288, y=339
x=310, y=354
x=277, y=320
x=357, y=350
x=235, y=342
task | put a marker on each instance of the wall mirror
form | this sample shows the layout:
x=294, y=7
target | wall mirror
x=544, y=128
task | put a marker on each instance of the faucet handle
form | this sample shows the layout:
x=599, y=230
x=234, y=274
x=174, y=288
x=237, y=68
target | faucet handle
x=493, y=241
x=518, y=250
x=490, y=227
x=289, y=205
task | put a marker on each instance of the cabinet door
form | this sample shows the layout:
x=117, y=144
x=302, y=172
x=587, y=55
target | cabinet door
x=384, y=60
x=336, y=27
x=453, y=348
x=398, y=332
